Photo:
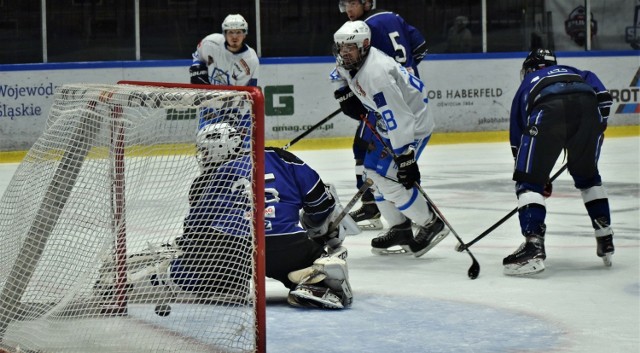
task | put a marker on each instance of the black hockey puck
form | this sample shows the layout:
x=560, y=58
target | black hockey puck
x=163, y=310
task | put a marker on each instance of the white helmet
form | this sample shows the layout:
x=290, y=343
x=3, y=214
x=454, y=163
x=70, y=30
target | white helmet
x=235, y=22
x=355, y=33
x=342, y=5
x=217, y=143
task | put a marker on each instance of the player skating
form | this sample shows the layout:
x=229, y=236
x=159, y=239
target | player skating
x=398, y=99
x=394, y=36
x=224, y=58
x=557, y=108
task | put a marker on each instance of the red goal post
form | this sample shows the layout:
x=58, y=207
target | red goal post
x=91, y=216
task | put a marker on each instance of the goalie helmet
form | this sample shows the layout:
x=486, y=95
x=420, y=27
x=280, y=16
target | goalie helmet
x=352, y=35
x=342, y=5
x=216, y=144
x=536, y=60
x=235, y=21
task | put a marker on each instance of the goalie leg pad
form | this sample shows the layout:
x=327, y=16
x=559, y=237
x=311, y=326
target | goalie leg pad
x=313, y=274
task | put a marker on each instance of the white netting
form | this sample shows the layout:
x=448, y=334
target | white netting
x=90, y=219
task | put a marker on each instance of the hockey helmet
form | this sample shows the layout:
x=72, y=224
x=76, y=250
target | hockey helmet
x=217, y=143
x=536, y=60
x=342, y=5
x=235, y=21
x=352, y=34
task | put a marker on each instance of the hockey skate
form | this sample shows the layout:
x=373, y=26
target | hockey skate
x=528, y=259
x=605, y=248
x=312, y=296
x=399, y=235
x=428, y=236
x=368, y=212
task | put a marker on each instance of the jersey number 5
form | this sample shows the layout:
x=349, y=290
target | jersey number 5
x=398, y=49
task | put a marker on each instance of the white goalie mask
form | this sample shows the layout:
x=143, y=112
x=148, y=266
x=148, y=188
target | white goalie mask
x=216, y=144
x=235, y=21
x=352, y=44
x=342, y=5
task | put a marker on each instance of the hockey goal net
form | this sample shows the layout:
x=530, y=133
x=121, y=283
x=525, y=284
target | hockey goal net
x=94, y=256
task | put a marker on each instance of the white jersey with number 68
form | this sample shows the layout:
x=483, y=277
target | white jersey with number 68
x=398, y=97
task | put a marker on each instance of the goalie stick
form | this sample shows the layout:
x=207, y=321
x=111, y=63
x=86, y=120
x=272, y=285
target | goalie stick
x=311, y=129
x=310, y=275
x=462, y=246
x=474, y=269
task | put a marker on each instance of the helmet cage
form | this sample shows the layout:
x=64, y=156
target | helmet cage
x=216, y=144
x=355, y=33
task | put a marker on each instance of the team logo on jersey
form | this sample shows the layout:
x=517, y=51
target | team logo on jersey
x=245, y=66
x=359, y=89
x=219, y=77
x=270, y=212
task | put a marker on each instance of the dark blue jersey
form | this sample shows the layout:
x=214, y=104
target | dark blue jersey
x=219, y=199
x=290, y=186
x=553, y=80
x=396, y=38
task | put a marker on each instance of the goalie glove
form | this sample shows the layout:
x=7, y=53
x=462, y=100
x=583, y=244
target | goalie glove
x=199, y=73
x=349, y=103
x=408, y=172
x=325, y=232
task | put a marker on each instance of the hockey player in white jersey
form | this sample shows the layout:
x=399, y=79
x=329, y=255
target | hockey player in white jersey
x=224, y=58
x=405, y=44
x=399, y=100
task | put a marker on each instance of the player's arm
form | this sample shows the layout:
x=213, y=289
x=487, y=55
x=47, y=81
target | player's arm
x=515, y=122
x=254, y=67
x=605, y=100
x=198, y=71
x=318, y=205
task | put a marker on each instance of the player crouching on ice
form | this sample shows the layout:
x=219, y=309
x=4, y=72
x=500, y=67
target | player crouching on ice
x=310, y=261
x=399, y=101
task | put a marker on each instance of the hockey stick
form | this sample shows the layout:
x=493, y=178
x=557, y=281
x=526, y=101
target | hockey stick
x=474, y=270
x=310, y=130
x=345, y=211
x=461, y=247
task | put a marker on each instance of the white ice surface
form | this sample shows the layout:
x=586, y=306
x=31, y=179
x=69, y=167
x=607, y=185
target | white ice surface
x=428, y=304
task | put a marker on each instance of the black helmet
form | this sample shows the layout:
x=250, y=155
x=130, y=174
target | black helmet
x=537, y=59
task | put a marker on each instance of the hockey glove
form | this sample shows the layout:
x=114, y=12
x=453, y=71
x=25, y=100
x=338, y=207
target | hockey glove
x=349, y=103
x=408, y=172
x=199, y=73
x=325, y=233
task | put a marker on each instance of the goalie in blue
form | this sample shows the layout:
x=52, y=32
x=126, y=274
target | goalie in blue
x=303, y=251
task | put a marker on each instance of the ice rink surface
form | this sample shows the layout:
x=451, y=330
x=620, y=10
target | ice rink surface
x=428, y=304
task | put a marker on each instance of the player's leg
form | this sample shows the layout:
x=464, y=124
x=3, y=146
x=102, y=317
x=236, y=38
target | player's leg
x=314, y=277
x=327, y=285
x=584, y=151
x=541, y=144
x=214, y=265
x=400, y=207
x=368, y=215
